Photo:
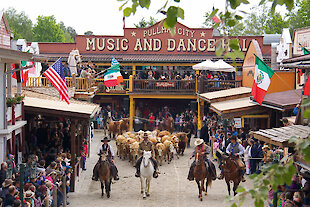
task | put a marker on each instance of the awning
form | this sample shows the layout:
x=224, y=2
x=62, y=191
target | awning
x=219, y=65
x=77, y=109
x=234, y=107
x=224, y=95
x=281, y=136
x=285, y=100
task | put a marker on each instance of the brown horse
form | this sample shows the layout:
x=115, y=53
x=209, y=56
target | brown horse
x=183, y=140
x=231, y=173
x=105, y=176
x=167, y=124
x=201, y=174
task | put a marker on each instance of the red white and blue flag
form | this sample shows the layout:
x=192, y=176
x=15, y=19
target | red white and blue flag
x=55, y=74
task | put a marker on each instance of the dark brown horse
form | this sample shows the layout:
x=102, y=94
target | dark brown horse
x=201, y=174
x=231, y=173
x=167, y=124
x=183, y=140
x=105, y=176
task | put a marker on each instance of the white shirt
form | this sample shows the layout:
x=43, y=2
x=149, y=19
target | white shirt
x=110, y=147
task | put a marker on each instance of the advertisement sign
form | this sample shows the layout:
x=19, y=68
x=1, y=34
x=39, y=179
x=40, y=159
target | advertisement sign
x=165, y=84
x=238, y=123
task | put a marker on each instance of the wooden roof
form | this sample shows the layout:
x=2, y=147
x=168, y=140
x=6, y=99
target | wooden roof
x=224, y=95
x=78, y=109
x=236, y=107
x=284, y=100
x=281, y=136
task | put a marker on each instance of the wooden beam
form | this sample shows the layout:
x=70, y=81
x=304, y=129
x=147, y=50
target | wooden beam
x=73, y=154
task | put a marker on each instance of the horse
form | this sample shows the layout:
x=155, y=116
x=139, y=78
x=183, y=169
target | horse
x=146, y=173
x=183, y=140
x=104, y=173
x=167, y=124
x=201, y=174
x=231, y=172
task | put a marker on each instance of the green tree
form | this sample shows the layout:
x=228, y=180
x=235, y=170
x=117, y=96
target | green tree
x=69, y=32
x=275, y=24
x=301, y=17
x=47, y=30
x=143, y=23
x=20, y=24
x=88, y=32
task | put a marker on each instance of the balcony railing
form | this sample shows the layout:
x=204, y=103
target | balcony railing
x=143, y=86
x=205, y=85
x=164, y=86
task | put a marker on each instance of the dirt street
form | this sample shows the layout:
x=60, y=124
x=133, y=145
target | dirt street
x=170, y=189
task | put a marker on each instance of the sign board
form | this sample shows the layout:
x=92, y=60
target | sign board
x=156, y=39
x=165, y=84
x=301, y=36
x=238, y=123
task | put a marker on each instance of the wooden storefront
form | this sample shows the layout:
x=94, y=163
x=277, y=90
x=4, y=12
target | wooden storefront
x=54, y=111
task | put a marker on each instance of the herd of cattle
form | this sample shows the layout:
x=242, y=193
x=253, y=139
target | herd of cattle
x=166, y=145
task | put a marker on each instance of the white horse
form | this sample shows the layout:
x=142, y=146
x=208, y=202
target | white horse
x=146, y=173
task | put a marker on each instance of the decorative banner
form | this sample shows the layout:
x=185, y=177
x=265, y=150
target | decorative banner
x=165, y=84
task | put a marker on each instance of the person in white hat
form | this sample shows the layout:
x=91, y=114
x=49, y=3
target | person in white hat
x=201, y=148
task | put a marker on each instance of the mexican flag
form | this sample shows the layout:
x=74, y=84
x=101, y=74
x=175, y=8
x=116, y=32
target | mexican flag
x=262, y=76
x=113, y=76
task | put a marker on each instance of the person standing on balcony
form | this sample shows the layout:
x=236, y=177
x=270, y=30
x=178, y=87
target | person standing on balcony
x=67, y=71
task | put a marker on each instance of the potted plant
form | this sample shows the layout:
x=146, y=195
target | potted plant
x=11, y=101
x=19, y=98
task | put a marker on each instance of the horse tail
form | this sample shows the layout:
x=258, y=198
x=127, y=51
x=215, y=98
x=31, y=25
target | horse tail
x=209, y=179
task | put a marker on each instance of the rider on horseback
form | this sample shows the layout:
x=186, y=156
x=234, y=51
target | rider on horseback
x=106, y=147
x=235, y=150
x=201, y=148
x=146, y=145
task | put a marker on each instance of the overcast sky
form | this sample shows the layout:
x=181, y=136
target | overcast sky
x=103, y=16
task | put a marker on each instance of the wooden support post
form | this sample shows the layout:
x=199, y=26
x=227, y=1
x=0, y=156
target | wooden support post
x=64, y=190
x=73, y=154
x=54, y=195
x=130, y=83
x=134, y=70
x=73, y=80
x=131, y=113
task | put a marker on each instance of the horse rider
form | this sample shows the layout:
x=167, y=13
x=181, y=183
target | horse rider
x=201, y=148
x=106, y=147
x=146, y=145
x=235, y=150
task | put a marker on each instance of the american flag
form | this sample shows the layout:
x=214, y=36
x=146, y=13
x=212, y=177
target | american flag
x=55, y=74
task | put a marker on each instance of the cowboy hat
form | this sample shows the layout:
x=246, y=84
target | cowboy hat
x=265, y=146
x=105, y=139
x=29, y=194
x=198, y=142
x=145, y=135
x=7, y=183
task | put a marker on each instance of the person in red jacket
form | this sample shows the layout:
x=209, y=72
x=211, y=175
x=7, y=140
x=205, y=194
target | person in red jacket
x=152, y=121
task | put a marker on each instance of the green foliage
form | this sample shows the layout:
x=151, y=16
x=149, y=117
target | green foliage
x=47, y=30
x=275, y=24
x=14, y=100
x=143, y=23
x=301, y=16
x=20, y=24
x=88, y=33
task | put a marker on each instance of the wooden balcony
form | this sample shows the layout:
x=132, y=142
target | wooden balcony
x=164, y=86
x=205, y=85
x=89, y=87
